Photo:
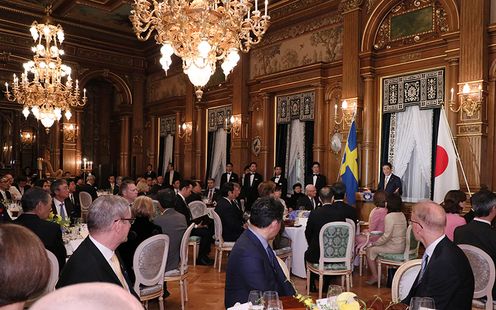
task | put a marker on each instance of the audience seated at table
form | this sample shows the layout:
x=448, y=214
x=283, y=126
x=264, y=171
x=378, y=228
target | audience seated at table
x=85, y=296
x=21, y=184
x=453, y=205
x=297, y=193
x=310, y=201
x=25, y=268
x=479, y=232
x=142, y=187
x=61, y=204
x=445, y=274
x=211, y=193
x=376, y=222
x=89, y=186
x=36, y=207
x=128, y=190
x=231, y=216
x=333, y=209
x=252, y=264
x=196, y=192
x=43, y=184
x=394, y=237
x=141, y=229
x=95, y=260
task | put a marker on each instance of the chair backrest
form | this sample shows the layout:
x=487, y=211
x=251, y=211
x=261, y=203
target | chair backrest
x=403, y=279
x=284, y=267
x=85, y=200
x=183, y=265
x=411, y=244
x=54, y=272
x=218, y=227
x=149, y=261
x=356, y=227
x=483, y=269
x=336, y=243
x=197, y=209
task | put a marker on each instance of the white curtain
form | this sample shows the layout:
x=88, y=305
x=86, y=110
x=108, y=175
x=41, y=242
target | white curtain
x=413, y=152
x=218, y=161
x=168, y=152
x=296, y=162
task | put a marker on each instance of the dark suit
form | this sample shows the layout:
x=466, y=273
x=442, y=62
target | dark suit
x=234, y=178
x=337, y=212
x=305, y=203
x=194, y=197
x=90, y=189
x=293, y=200
x=49, y=233
x=157, y=187
x=251, y=192
x=141, y=230
x=150, y=174
x=23, y=189
x=231, y=218
x=76, y=211
x=321, y=181
x=249, y=268
x=87, y=264
x=215, y=195
x=447, y=278
x=480, y=235
x=176, y=176
x=392, y=185
x=173, y=225
x=69, y=208
x=283, y=184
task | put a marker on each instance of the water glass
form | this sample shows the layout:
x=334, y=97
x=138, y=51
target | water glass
x=256, y=300
x=269, y=296
x=332, y=293
x=274, y=305
x=422, y=303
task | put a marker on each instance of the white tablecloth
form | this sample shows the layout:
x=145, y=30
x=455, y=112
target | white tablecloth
x=72, y=245
x=299, y=245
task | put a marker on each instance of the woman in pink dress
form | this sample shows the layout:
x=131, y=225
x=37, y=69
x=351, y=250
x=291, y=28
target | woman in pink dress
x=453, y=204
x=376, y=223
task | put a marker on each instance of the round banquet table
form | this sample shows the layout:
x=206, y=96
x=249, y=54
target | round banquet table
x=299, y=245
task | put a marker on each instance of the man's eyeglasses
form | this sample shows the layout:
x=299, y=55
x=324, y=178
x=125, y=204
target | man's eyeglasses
x=131, y=220
x=417, y=223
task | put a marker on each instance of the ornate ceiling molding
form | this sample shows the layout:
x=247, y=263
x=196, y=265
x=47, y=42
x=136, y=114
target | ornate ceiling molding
x=349, y=5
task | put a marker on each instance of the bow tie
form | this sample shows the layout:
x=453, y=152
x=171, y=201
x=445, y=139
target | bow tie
x=315, y=174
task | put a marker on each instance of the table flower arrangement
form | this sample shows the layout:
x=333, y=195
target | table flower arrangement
x=55, y=218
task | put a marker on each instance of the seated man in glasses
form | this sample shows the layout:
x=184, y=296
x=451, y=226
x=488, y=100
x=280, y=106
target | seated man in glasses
x=95, y=260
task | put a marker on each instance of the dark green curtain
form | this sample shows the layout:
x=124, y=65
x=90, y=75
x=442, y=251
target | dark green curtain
x=281, y=145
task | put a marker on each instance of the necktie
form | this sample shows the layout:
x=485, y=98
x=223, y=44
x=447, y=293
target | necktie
x=62, y=211
x=72, y=198
x=116, y=266
x=210, y=194
x=272, y=256
x=313, y=203
x=386, y=182
x=425, y=259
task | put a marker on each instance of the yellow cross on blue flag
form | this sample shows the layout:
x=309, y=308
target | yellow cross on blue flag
x=349, y=166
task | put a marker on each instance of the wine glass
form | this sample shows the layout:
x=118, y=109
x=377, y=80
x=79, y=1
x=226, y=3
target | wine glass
x=274, y=305
x=422, y=303
x=256, y=299
x=332, y=293
x=269, y=296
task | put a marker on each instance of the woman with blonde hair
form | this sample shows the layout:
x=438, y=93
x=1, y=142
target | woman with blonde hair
x=25, y=268
x=142, y=187
x=141, y=229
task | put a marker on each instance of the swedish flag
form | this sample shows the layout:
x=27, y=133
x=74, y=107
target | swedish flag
x=349, y=166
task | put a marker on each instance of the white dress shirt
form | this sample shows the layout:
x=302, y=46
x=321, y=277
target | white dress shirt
x=58, y=204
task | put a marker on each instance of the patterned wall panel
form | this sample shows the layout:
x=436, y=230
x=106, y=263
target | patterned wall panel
x=425, y=89
x=298, y=106
x=167, y=125
x=217, y=117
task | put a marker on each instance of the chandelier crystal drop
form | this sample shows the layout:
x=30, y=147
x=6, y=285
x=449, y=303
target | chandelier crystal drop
x=201, y=32
x=41, y=89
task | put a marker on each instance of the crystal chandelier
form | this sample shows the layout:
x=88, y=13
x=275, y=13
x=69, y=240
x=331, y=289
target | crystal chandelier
x=201, y=32
x=41, y=90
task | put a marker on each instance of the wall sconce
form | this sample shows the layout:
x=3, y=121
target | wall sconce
x=348, y=110
x=70, y=132
x=27, y=136
x=471, y=98
x=233, y=124
x=185, y=130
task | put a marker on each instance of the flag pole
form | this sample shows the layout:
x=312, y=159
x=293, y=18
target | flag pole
x=456, y=152
x=344, y=152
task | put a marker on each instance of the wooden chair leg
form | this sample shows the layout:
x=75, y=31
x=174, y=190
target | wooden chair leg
x=161, y=302
x=360, y=258
x=215, y=258
x=348, y=282
x=379, y=274
x=194, y=254
x=220, y=259
x=321, y=284
x=351, y=279
x=342, y=280
x=181, y=288
x=185, y=281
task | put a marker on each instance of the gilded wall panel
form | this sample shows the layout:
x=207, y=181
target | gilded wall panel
x=164, y=87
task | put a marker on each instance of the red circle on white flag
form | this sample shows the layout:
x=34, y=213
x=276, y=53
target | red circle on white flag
x=442, y=160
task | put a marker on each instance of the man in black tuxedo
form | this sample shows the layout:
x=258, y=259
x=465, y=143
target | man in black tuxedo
x=229, y=213
x=445, y=274
x=96, y=259
x=89, y=187
x=74, y=197
x=478, y=232
x=171, y=176
x=201, y=229
x=111, y=185
x=229, y=175
x=211, y=192
x=196, y=192
x=280, y=181
x=149, y=172
x=310, y=201
x=333, y=210
x=250, y=188
x=61, y=204
x=36, y=206
x=389, y=182
x=159, y=186
x=316, y=179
